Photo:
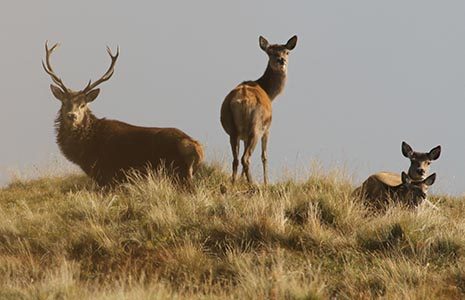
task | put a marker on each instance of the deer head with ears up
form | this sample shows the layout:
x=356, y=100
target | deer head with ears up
x=419, y=161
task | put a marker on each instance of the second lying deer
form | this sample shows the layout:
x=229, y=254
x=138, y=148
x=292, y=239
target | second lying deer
x=381, y=188
x=410, y=189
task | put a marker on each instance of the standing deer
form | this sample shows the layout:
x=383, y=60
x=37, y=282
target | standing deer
x=246, y=110
x=379, y=189
x=419, y=161
x=107, y=149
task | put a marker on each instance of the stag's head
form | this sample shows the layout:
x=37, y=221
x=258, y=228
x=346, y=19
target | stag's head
x=278, y=54
x=419, y=161
x=416, y=192
x=74, y=103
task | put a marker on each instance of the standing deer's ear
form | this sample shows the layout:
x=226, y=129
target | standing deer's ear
x=291, y=43
x=407, y=151
x=263, y=43
x=405, y=178
x=90, y=96
x=430, y=179
x=57, y=92
x=434, y=153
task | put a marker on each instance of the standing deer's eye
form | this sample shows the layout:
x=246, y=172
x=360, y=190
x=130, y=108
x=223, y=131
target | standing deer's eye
x=82, y=105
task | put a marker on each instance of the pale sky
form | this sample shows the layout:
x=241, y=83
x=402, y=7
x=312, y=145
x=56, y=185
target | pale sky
x=364, y=76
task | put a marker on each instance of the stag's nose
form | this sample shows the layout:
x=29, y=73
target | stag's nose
x=282, y=61
x=421, y=172
x=72, y=116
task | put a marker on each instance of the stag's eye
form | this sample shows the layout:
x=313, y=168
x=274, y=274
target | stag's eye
x=82, y=105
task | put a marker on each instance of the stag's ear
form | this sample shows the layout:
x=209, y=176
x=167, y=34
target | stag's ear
x=405, y=178
x=434, y=153
x=57, y=92
x=291, y=43
x=407, y=151
x=263, y=43
x=90, y=96
x=430, y=179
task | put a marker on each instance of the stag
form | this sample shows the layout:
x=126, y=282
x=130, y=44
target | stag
x=246, y=110
x=106, y=150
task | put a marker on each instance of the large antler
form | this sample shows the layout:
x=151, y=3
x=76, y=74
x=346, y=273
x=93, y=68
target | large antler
x=90, y=86
x=48, y=67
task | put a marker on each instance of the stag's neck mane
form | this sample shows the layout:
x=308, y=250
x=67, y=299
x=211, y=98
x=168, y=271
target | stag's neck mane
x=76, y=142
x=272, y=82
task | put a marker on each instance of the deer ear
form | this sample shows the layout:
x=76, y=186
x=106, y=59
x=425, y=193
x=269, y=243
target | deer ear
x=430, y=179
x=90, y=96
x=291, y=43
x=435, y=153
x=405, y=178
x=407, y=151
x=263, y=43
x=57, y=92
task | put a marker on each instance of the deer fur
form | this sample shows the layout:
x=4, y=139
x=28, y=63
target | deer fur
x=106, y=150
x=246, y=111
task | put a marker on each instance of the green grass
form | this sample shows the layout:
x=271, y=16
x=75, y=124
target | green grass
x=63, y=238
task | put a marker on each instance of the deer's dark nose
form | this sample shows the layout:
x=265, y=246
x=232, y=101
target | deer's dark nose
x=421, y=172
x=72, y=116
x=281, y=60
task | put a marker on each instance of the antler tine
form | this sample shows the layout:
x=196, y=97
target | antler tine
x=48, y=67
x=90, y=86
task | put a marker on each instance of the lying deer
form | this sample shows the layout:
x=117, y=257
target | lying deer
x=246, y=110
x=381, y=188
x=107, y=149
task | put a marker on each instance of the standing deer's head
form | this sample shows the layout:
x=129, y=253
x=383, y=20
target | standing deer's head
x=278, y=54
x=74, y=103
x=419, y=161
x=416, y=191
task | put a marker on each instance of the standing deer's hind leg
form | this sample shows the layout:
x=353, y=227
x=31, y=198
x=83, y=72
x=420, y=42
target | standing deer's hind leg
x=249, y=148
x=265, y=157
x=243, y=170
x=234, y=141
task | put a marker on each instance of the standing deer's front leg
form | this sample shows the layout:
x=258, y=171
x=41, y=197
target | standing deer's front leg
x=265, y=157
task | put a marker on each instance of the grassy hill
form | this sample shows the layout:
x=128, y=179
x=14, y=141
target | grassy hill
x=62, y=238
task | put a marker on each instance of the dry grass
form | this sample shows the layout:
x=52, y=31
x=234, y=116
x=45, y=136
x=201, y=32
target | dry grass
x=62, y=238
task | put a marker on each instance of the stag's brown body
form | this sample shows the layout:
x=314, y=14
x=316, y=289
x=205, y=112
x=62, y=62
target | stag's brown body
x=107, y=150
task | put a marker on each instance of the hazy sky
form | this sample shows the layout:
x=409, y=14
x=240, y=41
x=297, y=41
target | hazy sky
x=364, y=76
